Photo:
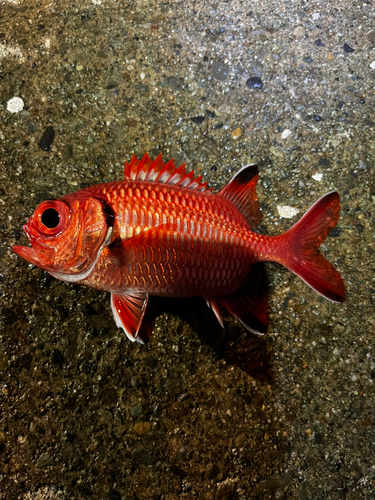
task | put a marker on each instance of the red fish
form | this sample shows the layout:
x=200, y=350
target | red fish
x=162, y=232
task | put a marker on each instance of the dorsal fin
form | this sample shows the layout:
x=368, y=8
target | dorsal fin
x=165, y=173
x=241, y=191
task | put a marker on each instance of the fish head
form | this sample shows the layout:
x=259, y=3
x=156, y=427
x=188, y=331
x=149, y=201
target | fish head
x=67, y=235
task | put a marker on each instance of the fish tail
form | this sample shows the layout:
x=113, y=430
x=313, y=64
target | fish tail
x=301, y=248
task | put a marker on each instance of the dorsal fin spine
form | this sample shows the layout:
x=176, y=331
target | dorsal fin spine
x=141, y=165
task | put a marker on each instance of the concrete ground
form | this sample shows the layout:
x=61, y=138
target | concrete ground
x=200, y=412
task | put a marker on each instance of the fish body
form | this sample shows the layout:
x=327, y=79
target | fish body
x=162, y=232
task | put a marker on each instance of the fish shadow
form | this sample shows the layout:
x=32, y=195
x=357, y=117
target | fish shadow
x=249, y=352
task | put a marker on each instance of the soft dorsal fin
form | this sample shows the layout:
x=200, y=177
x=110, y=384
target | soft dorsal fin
x=165, y=173
x=241, y=191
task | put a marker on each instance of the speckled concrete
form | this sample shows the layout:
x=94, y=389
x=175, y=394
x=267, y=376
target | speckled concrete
x=200, y=413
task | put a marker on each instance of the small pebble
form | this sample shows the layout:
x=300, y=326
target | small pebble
x=236, y=134
x=47, y=139
x=287, y=212
x=318, y=43
x=371, y=37
x=198, y=119
x=31, y=128
x=15, y=105
x=372, y=65
x=220, y=71
x=286, y=133
x=136, y=411
x=254, y=83
x=325, y=162
x=362, y=165
x=335, y=233
x=142, y=427
x=347, y=48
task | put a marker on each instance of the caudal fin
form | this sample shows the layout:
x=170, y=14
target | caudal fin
x=303, y=242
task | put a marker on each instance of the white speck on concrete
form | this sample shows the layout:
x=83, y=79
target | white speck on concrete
x=286, y=133
x=97, y=2
x=15, y=105
x=316, y=16
x=318, y=176
x=287, y=212
x=372, y=65
x=142, y=75
x=6, y=51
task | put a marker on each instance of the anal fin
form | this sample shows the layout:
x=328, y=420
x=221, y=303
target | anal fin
x=128, y=311
x=216, y=309
x=249, y=304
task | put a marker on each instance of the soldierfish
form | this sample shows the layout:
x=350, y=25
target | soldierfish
x=163, y=232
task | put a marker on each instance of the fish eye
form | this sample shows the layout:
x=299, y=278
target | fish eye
x=50, y=218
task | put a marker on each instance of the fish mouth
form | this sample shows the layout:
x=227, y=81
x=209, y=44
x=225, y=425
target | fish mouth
x=27, y=253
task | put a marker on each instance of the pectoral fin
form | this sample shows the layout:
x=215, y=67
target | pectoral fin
x=128, y=310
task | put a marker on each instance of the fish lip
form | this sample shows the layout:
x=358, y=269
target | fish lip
x=27, y=253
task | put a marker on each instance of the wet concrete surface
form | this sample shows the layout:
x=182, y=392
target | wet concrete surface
x=200, y=412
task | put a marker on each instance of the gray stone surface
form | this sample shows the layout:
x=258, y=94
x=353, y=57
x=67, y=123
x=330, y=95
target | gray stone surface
x=224, y=415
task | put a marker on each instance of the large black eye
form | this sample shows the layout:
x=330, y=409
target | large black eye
x=50, y=218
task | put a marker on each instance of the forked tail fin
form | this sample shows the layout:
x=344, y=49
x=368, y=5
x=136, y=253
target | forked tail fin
x=303, y=241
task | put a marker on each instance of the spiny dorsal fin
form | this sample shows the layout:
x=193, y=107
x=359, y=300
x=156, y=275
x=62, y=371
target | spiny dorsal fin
x=241, y=191
x=165, y=173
